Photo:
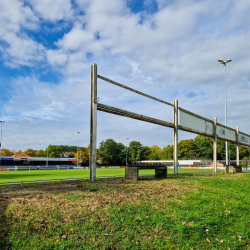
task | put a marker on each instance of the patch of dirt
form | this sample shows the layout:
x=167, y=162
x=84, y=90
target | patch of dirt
x=71, y=200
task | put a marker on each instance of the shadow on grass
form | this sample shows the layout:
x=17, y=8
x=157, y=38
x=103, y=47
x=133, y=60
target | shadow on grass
x=4, y=201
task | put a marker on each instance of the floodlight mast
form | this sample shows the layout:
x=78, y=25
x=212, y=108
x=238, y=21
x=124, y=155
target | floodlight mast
x=221, y=61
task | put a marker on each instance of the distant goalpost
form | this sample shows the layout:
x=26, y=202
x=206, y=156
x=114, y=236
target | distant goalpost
x=183, y=120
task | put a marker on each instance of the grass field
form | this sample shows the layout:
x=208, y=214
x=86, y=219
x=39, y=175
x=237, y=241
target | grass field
x=186, y=212
x=34, y=175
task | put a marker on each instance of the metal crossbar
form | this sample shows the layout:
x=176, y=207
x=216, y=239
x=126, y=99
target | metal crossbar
x=133, y=90
x=121, y=112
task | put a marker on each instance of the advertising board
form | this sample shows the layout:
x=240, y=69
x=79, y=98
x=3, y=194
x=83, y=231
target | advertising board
x=195, y=124
x=244, y=139
x=225, y=133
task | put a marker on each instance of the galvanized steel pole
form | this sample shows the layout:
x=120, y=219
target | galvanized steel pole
x=47, y=156
x=215, y=146
x=226, y=109
x=176, y=137
x=1, y=144
x=237, y=148
x=127, y=154
x=225, y=64
x=93, y=123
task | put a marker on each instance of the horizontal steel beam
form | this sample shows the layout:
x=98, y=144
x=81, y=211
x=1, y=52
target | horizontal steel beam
x=133, y=90
x=193, y=131
x=121, y=112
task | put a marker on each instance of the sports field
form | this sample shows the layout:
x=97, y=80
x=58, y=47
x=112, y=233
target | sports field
x=186, y=212
x=36, y=175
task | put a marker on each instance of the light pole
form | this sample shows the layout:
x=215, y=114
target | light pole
x=127, y=154
x=1, y=144
x=77, y=147
x=47, y=156
x=225, y=64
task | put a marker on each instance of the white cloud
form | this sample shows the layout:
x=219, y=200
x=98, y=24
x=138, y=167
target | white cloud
x=77, y=38
x=17, y=48
x=14, y=15
x=56, y=57
x=21, y=50
x=53, y=10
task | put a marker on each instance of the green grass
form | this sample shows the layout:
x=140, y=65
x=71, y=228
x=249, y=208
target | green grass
x=188, y=212
x=34, y=175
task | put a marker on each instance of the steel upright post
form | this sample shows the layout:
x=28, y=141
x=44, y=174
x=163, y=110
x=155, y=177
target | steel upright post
x=47, y=163
x=78, y=149
x=215, y=146
x=1, y=143
x=237, y=148
x=176, y=137
x=93, y=123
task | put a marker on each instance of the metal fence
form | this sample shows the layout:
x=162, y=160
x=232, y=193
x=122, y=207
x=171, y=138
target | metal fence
x=183, y=120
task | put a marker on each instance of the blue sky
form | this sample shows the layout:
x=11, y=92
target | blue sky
x=168, y=49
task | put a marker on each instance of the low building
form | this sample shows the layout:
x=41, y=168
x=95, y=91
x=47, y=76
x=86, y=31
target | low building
x=39, y=162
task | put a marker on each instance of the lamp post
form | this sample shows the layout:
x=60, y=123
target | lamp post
x=225, y=64
x=47, y=163
x=77, y=147
x=127, y=155
x=1, y=144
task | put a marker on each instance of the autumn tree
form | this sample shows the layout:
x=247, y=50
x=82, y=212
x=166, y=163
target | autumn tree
x=243, y=150
x=86, y=155
x=122, y=153
x=245, y=164
x=187, y=149
x=54, y=151
x=135, y=151
x=109, y=152
x=66, y=148
x=167, y=153
x=40, y=153
x=146, y=151
x=30, y=152
x=204, y=146
x=6, y=152
x=19, y=152
x=155, y=153
x=81, y=151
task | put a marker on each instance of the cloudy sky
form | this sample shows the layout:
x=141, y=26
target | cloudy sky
x=168, y=49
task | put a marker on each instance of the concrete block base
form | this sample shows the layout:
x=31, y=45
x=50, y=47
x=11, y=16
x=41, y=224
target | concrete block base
x=233, y=169
x=161, y=173
x=131, y=172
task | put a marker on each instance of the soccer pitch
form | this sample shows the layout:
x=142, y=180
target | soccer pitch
x=40, y=175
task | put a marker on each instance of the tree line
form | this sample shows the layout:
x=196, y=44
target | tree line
x=201, y=147
x=53, y=151
x=112, y=153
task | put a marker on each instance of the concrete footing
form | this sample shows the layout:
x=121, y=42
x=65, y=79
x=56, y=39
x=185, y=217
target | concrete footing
x=233, y=169
x=131, y=172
